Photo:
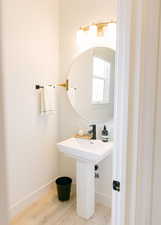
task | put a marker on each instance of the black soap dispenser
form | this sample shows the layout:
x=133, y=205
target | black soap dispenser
x=105, y=134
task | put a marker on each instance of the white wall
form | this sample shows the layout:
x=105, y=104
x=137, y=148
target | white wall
x=73, y=14
x=30, y=56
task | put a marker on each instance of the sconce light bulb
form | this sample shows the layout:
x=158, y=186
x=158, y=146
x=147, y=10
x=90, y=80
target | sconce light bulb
x=80, y=36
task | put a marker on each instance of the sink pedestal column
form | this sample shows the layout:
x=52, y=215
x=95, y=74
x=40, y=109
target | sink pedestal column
x=85, y=189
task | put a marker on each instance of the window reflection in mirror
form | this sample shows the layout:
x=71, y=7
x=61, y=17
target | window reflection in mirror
x=101, y=81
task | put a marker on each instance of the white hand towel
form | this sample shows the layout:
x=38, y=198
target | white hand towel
x=48, y=100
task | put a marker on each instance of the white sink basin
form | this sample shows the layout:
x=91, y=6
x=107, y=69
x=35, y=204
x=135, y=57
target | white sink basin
x=87, y=153
x=88, y=150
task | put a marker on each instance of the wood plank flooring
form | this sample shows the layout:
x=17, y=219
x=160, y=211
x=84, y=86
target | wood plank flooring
x=49, y=211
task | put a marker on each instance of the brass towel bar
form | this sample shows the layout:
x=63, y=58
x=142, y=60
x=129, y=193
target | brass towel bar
x=65, y=85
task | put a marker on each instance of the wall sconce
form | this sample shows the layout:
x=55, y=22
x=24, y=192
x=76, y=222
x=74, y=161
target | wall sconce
x=97, y=34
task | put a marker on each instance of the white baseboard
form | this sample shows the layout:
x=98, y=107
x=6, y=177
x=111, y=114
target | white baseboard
x=29, y=199
x=104, y=199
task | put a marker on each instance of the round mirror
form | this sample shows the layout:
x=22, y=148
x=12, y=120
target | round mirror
x=91, y=84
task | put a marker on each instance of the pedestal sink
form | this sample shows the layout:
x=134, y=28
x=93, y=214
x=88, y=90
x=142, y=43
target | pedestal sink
x=87, y=153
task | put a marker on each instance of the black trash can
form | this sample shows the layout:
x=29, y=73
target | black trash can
x=63, y=188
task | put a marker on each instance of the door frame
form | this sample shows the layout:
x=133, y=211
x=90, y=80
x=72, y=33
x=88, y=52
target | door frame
x=156, y=204
x=135, y=110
